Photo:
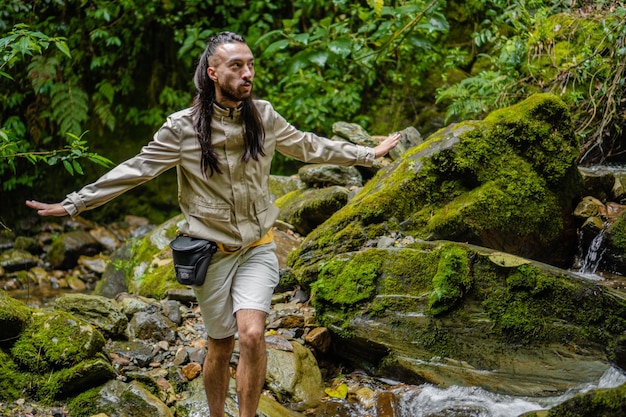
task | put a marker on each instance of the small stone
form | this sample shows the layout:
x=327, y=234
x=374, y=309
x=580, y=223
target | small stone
x=192, y=370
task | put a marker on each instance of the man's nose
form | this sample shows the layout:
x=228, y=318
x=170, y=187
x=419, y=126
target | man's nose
x=248, y=72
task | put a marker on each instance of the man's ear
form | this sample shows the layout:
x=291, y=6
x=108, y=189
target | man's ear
x=211, y=73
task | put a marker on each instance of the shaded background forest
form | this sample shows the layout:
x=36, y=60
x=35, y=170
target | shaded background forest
x=385, y=65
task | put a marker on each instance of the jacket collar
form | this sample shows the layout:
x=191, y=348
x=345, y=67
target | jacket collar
x=231, y=113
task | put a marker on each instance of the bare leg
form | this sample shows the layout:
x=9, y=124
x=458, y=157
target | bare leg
x=252, y=360
x=215, y=373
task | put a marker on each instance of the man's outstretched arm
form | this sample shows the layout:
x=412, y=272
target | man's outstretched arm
x=44, y=209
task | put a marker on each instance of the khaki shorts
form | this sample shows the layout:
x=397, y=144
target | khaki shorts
x=242, y=280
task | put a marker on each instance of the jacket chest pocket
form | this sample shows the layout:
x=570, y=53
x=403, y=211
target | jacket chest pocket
x=209, y=210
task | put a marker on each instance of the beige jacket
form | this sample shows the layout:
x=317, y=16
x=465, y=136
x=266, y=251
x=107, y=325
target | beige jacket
x=234, y=207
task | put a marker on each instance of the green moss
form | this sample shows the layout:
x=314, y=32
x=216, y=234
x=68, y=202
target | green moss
x=601, y=402
x=618, y=233
x=55, y=340
x=13, y=382
x=14, y=316
x=157, y=280
x=348, y=282
x=288, y=199
x=451, y=281
x=529, y=306
x=77, y=378
x=86, y=404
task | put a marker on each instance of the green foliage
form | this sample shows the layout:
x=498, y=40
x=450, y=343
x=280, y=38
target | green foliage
x=333, y=68
x=574, y=51
x=68, y=107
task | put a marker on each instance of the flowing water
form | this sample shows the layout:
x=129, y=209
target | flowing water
x=591, y=260
x=431, y=401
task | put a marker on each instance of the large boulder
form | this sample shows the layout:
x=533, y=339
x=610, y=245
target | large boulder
x=455, y=314
x=56, y=354
x=508, y=183
x=101, y=312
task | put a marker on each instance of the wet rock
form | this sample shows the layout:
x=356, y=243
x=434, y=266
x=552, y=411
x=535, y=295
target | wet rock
x=7, y=239
x=281, y=185
x=589, y=207
x=28, y=244
x=171, y=310
x=410, y=137
x=68, y=247
x=96, y=264
x=124, y=353
x=152, y=326
x=307, y=209
x=326, y=175
x=55, y=339
x=354, y=133
x=120, y=399
x=131, y=304
x=17, y=260
x=191, y=370
x=449, y=328
x=105, y=237
x=101, y=312
x=319, y=338
x=114, y=278
x=295, y=376
x=600, y=402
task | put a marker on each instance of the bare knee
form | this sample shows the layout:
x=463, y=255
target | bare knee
x=220, y=349
x=252, y=337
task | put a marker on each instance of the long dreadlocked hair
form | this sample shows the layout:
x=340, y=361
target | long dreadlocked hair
x=202, y=111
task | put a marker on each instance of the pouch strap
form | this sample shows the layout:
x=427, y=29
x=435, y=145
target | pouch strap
x=268, y=238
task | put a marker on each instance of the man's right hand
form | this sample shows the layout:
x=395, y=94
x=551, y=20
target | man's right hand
x=44, y=209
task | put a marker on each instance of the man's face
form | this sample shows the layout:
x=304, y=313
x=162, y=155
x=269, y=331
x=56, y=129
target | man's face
x=231, y=68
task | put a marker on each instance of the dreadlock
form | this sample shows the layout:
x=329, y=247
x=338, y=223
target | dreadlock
x=202, y=111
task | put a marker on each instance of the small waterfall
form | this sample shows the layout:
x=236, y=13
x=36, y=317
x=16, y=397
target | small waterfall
x=590, y=260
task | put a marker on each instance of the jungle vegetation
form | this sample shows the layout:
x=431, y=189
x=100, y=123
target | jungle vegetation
x=88, y=81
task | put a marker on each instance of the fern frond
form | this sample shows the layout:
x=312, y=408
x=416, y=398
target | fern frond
x=70, y=105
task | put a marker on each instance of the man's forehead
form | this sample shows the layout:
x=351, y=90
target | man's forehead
x=234, y=51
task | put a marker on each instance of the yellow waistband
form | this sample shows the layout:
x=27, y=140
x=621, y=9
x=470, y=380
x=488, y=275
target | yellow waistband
x=268, y=238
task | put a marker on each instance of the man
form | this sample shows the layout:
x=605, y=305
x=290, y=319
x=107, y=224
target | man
x=222, y=149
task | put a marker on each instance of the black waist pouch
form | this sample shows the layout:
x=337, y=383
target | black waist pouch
x=191, y=258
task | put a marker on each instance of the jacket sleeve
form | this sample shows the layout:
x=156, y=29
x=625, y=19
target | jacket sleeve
x=162, y=153
x=308, y=147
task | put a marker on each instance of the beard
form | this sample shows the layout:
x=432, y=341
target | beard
x=235, y=95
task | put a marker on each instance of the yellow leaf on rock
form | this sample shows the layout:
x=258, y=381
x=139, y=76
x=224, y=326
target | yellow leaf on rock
x=507, y=260
x=340, y=392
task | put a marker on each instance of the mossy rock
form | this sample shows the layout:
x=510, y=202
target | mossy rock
x=455, y=314
x=507, y=182
x=13, y=381
x=145, y=264
x=601, y=402
x=55, y=340
x=307, y=209
x=14, y=317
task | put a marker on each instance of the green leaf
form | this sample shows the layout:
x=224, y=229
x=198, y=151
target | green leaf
x=77, y=167
x=319, y=57
x=276, y=46
x=341, y=47
x=68, y=166
x=62, y=46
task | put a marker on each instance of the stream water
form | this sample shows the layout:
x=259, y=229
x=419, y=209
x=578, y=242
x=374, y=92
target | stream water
x=455, y=401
